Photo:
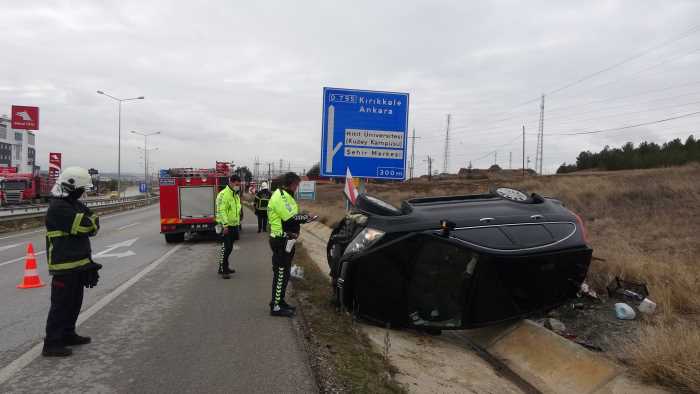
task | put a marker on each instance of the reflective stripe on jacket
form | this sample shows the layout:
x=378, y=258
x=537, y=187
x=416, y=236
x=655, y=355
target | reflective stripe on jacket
x=69, y=224
x=228, y=208
x=281, y=207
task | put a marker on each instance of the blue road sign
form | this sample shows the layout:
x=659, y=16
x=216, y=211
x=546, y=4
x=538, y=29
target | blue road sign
x=142, y=187
x=365, y=131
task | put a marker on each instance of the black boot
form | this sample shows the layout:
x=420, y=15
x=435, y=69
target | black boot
x=279, y=311
x=76, y=340
x=284, y=305
x=57, y=350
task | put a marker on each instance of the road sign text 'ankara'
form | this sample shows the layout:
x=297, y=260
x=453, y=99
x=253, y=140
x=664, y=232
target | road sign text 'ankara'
x=365, y=131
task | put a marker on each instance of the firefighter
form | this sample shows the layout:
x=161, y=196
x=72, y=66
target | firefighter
x=262, y=197
x=228, y=216
x=69, y=224
x=285, y=224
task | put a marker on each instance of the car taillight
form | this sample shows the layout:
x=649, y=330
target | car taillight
x=584, y=231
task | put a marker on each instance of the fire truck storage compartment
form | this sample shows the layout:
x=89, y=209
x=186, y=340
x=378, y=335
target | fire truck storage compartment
x=197, y=202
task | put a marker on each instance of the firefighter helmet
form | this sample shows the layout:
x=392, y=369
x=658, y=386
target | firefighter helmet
x=74, y=178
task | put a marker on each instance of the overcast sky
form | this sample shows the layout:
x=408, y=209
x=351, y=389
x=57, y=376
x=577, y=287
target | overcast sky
x=228, y=80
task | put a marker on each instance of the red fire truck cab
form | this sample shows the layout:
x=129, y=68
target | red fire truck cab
x=188, y=199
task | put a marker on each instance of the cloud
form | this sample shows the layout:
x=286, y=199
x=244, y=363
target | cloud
x=237, y=80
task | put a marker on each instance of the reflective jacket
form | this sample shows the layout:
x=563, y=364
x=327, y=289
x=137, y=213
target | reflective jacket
x=281, y=211
x=69, y=224
x=228, y=208
x=262, y=199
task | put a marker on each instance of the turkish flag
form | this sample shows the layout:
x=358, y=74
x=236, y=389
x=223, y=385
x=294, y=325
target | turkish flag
x=350, y=190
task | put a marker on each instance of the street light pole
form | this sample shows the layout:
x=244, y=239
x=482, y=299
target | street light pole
x=145, y=157
x=119, y=130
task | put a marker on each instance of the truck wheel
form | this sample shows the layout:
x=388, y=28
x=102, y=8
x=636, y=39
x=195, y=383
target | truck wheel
x=174, y=237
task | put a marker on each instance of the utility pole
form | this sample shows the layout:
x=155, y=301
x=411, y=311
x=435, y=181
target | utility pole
x=510, y=160
x=269, y=172
x=495, y=157
x=524, y=151
x=413, y=154
x=540, y=140
x=430, y=168
x=446, y=162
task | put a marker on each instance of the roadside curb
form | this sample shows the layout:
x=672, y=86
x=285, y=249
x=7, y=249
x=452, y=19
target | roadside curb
x=543, y=359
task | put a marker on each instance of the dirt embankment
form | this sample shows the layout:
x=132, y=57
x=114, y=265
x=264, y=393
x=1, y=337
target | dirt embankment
x=643, y=224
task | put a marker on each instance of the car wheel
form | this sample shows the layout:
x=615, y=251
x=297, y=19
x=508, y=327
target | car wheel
x=174, y=237
x=343, y=287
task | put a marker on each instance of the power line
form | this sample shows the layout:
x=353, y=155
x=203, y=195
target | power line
x=625, y=61
x=684, y=85
x=629, y=126
x=631, y=113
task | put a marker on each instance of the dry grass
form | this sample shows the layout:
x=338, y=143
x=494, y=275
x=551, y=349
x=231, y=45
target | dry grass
x=645, y=224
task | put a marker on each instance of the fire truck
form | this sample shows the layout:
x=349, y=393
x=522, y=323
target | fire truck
x=18, y=188
x=188, y=199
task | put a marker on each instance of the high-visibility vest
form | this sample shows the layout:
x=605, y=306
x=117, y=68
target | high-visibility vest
x=281, y=207
x=228, y=208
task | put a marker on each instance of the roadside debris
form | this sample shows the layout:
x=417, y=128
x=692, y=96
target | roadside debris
x=587, y=291
x=647, y=306
x=627, y=290
x=297, y=272
x=555, y=325
x=624, y=311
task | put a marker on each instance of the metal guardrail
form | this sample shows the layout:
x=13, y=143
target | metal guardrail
x=14, y=213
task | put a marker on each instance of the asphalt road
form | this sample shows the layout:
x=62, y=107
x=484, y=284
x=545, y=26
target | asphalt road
x=161, y=319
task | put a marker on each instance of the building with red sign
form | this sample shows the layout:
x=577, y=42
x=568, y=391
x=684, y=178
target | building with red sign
x=17, y=147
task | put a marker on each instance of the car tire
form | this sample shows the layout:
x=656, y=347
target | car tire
x=172, y=238
x=343, y=290
x=375, y=206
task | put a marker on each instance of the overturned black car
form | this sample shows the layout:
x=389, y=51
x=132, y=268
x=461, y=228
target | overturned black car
x=458, y=261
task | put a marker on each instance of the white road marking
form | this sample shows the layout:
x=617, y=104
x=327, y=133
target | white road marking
x=113, y=215
x=9, y=247
x=123, y=244
x=24, y=360
x=127, y=226
x=104, y=253
x=21, y=258
x=21, y=234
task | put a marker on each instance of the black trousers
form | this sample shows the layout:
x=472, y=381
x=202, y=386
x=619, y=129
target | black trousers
x=227, y=248
x=66, y=300
x=281, y=266
x=262, y=220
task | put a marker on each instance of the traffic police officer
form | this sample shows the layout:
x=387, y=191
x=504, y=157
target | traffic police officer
x=262, y=198
x=285, y=225
x=69, y=224
x=228, y=215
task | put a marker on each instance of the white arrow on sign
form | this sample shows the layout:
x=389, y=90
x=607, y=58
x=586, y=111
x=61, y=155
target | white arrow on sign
x=124, y=244
x=330, y=132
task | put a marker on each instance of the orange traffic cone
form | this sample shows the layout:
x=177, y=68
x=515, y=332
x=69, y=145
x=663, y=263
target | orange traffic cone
x=31, y=276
